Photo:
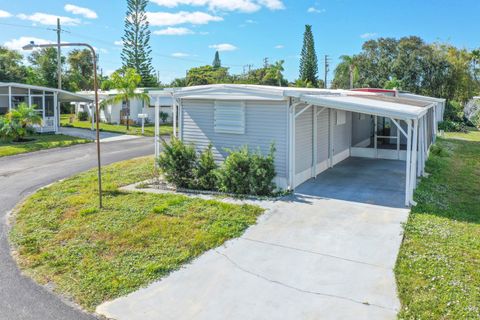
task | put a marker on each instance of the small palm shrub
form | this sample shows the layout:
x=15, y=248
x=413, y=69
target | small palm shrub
x=177, y=163
x=19, y=122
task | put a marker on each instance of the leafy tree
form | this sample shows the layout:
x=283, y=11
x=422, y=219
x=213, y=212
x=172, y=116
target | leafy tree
x=136, y=52
x=393, y=83
x=179, y=83
x=207, y=75
x=44, y=67
x=18, y=123
x=126, y=82
x=308, y=60
x=217, y=63
x=11, y=66
x=80, y=72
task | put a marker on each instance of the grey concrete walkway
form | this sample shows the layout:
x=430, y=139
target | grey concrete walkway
x=89, y=134
x=325, y=253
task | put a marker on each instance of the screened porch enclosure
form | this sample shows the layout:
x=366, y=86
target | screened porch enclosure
x=46, y=102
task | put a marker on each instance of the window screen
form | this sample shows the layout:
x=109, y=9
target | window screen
x=230, y=117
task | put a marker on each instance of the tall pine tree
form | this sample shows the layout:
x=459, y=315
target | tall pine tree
x=136, y=52
x=217, y=63
x=308, y=60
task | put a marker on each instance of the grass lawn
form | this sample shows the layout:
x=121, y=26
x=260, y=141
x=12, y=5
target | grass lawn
x=165, y=129
x=39, y=142
x=438, y=269
x=62, y=238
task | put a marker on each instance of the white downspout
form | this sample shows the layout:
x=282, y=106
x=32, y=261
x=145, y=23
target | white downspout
x=408, y=162
x=375, y=139
x=55, y=111
x=292, y=145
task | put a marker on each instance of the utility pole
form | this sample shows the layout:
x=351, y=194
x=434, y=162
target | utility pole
x=59, y=55
x=327, y=65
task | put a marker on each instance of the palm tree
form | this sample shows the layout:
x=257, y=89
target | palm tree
x=126, y=82
x=346, y=69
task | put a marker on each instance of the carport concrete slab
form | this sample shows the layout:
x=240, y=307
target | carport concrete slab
x=373, y=181
x=308, y=257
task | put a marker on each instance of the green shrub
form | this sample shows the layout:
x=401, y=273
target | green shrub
x=206, y=171
x=163, y=116
x=453, y=126
x=454, y=111
x=244, y=172
x=83, y=116
x=177, y=163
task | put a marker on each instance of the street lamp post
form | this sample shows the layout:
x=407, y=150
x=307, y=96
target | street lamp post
x=31, y=46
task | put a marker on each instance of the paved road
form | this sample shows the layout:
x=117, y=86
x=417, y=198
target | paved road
x=20, y=297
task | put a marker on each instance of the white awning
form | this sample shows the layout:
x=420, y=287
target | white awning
x=369, y=105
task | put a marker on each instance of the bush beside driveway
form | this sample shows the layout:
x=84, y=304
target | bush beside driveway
x=94, y=255
x=437, y=270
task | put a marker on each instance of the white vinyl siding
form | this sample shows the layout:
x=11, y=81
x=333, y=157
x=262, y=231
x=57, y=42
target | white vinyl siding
x=341, y=117
x=266, y=123
x=322, y=137
x=342, y=134
x=303, y=140
x=230, y=117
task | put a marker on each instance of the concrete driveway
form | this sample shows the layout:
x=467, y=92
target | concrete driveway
x=327, y=252
x=90, y=134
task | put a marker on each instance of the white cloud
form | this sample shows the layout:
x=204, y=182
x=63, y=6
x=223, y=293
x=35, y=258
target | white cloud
x=182, y=17
x=17, y=44
x=49, y=19
x=368, y=35
x=180, y=54
x=225, y=5
x=223, y=47
x=118, y=43
x=85, y=12
x=170, y=31
x=272, y=4
x=315, y=10
x=5, y=14
x=279, y=46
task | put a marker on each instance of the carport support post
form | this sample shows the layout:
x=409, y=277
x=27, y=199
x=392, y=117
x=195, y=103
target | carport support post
x=314, y=156
x=413, y=177
x=174, y=113
x=292, y=145
x=408, y=162
x=157, y=130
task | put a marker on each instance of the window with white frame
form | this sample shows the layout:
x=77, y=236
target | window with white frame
x=341, y=117
x=230, y=117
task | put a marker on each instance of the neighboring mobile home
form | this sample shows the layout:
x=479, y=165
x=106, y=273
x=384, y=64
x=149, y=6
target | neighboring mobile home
x=115, y=113
x=46, y=101
x=312, y=129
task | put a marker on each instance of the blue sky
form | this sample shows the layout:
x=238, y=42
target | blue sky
x=186, y=33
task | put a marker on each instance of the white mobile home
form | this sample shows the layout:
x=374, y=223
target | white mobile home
x=313, y=129
x=114, y=113
x=46, y=101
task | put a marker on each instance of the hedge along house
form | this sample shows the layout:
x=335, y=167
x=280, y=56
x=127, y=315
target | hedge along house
x=45, y=100
x=313, y=129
